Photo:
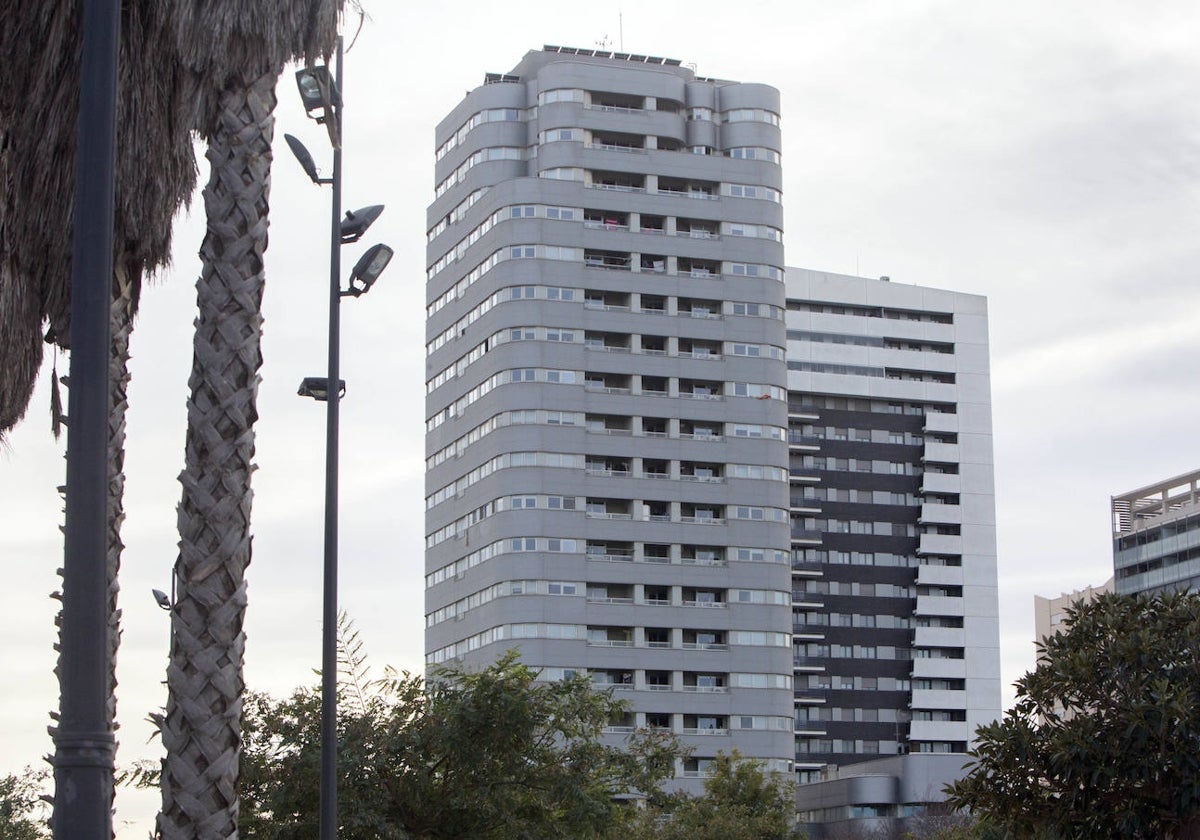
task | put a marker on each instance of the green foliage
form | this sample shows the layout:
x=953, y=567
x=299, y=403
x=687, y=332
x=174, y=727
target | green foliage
x=22, y=813
x=1104, y=740
x=741, y=802
x=503, y=756
x=491, y=754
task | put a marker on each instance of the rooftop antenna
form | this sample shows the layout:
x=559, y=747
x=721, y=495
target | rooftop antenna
x=621, y=28
x=603, y=43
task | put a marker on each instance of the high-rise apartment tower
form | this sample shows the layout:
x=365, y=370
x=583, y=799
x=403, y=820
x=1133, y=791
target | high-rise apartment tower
x=607, y=484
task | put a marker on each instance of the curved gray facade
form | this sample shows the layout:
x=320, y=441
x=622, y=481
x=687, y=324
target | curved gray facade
x=607, y=483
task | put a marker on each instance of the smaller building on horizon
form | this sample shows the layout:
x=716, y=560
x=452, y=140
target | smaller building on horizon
x=1156, y=537
x=1049, y=613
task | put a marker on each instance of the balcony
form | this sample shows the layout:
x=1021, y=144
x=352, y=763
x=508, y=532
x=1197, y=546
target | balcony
x=940, y=544
x=804, y=443
x=939, y=576
x=940, y=483
x=615, y=147
x=938, y=605
x=697, y=229
x=944, y=453
x=605, y=220
x=940, y=668
x=927, y=698
x=618, y=181
x=945, y=514
x=936, y=421
x=939, y=730
x=938, y=637
x=704, y=190
x=611, y=260
x=610, y=637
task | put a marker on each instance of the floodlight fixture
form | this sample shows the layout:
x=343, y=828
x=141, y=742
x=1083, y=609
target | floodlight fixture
x=317, y=388
x=317, y=91
x=368, y=268
x=162, y=599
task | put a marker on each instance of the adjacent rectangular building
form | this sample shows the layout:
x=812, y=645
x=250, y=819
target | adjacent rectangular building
x=896, y=633
x=1156, y=537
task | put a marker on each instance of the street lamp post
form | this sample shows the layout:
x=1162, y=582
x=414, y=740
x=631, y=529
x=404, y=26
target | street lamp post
x=318, y=91
x=84, y=744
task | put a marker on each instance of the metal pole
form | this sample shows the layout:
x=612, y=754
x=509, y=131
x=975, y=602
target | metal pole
x=84, y=745
x=329, y=821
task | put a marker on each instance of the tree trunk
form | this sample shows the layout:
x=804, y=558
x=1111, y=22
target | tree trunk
x=202, y=727
x=121, y=321
x=121, y=315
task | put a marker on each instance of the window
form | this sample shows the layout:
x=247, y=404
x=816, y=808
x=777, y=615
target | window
x=547, y=97
x=562, y=173
x=750, y=115
x=753, y=153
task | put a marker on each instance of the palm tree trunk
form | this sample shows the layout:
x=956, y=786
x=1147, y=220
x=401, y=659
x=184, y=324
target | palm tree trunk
x=202, y=727
x=121, y=325
x=121, y=315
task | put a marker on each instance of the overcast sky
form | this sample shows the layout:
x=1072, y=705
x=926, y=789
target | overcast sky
x=1043, y=154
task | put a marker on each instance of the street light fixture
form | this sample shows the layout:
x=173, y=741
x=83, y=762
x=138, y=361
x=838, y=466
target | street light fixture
x=367, y=270
x=318, y=92
x=357, y=221
x=306, y=160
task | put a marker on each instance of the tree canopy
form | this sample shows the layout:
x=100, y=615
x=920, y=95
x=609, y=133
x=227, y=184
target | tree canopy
x=494, y=753
x=1104, y=739
x=22, y=813
x=741, y=801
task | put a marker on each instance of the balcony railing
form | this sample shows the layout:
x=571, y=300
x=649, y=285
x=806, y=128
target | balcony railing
x=614, y=147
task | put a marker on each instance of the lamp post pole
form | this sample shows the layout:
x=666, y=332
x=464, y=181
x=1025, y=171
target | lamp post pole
x=317, y=91
x=328, y=795
x=83, y=742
